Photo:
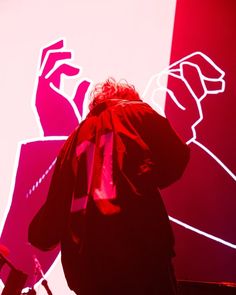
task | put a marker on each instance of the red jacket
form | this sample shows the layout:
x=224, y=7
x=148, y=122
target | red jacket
x=104, y=205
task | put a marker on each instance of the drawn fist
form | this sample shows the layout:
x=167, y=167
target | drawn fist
x=189, y=81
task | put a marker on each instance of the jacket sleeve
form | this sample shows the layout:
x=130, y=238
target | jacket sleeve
x=169, y=152
x=47, y=227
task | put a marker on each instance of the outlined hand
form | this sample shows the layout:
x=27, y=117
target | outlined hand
x=189, y=81
x=58, y=113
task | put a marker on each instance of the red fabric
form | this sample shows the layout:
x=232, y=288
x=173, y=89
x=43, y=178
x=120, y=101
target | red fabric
x=113, y=226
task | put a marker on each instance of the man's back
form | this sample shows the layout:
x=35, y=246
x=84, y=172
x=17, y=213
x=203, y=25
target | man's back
x=123, y=229
x=117, y=238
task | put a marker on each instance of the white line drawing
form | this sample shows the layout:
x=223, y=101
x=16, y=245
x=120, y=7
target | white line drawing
x=178, y=73
x=37, y=183
x=154, y=85
x=50, y=75
x=156, y=80
x=47, y=72
x=202, y=233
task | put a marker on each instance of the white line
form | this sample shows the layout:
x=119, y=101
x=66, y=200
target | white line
x=38, y=182
x=202, y=233
x=215, y=158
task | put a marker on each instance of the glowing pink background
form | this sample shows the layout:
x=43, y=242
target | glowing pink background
x=132, y=40
x=125, y=39
x=205, y=196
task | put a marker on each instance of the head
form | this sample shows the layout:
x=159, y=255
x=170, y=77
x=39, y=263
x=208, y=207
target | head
x=110, y=89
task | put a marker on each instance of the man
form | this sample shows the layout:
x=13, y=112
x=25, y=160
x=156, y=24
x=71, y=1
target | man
x=104, y=205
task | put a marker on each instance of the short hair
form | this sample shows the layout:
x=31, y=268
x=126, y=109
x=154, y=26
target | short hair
x=110, y=89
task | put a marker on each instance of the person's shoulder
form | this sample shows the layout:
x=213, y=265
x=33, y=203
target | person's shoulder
x=138, y=108
x=133, y=106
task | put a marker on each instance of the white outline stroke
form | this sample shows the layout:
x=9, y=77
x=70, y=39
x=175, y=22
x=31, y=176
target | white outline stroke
x=155, y=79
